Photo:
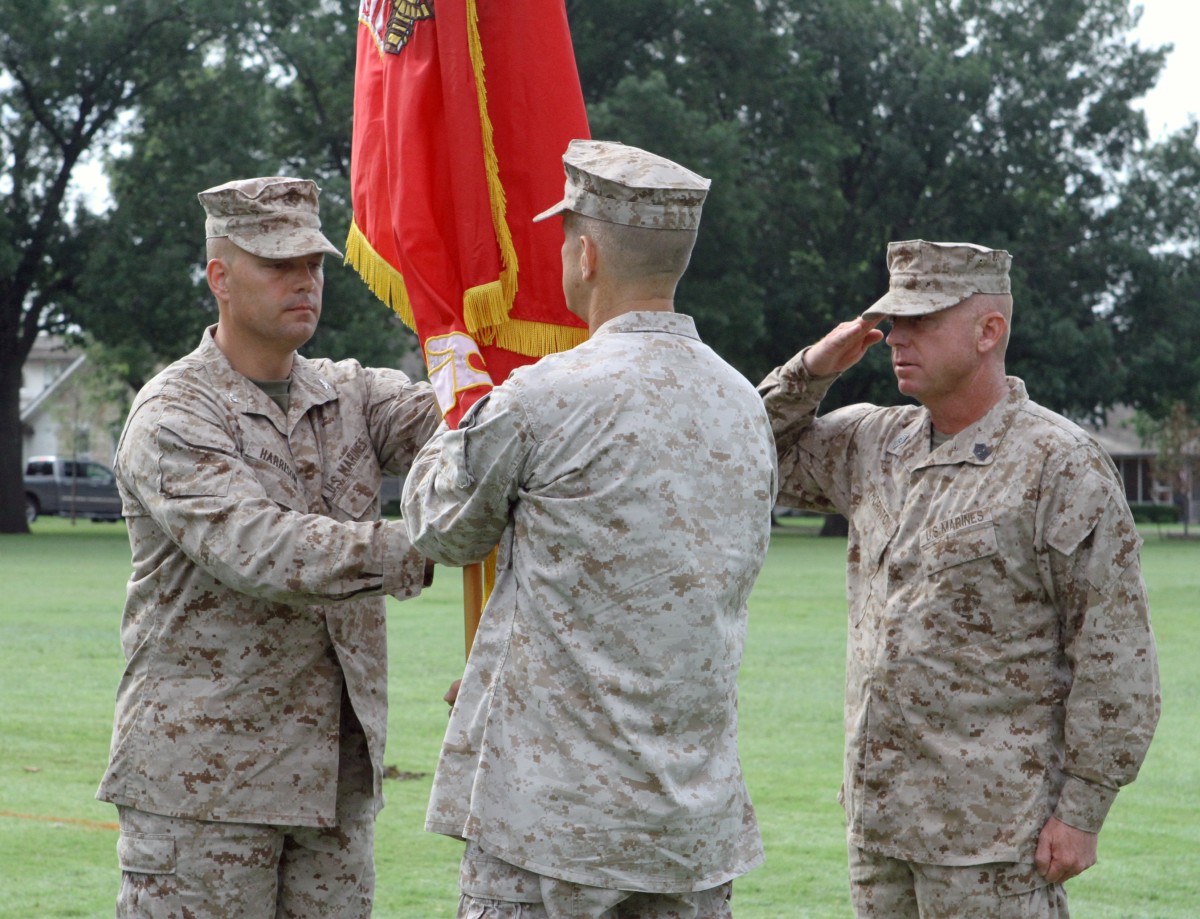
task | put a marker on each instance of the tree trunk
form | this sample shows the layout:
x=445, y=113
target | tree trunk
x=12, y=489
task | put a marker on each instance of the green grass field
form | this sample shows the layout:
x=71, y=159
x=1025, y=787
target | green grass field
x=61, y=592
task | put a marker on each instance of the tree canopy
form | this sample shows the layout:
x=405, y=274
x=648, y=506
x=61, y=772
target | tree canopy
x=272, y=94
x=829, y=127
x=69, y=73
x=170, y=98
x=833, y=126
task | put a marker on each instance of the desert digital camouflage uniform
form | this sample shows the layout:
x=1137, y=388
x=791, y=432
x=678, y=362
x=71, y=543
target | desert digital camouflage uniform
x=629, y=484
x=245, y=527
x=1001, y=667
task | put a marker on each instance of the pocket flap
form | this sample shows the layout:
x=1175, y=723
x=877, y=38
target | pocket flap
x=146, y=854
x=964, y=544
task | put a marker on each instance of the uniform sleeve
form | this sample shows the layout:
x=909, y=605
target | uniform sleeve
x=181, y=464
x=814, y=453
x=1114, y=699
x=458, y=498
x=402, y=415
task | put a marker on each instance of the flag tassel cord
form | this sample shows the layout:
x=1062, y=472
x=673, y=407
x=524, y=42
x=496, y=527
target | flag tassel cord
x=484, y=304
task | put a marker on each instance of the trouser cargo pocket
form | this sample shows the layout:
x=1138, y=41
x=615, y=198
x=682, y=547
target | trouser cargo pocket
x=148, y=889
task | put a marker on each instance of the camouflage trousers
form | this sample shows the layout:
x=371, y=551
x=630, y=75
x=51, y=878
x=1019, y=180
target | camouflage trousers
x=493, y=889
x=174, y=868
x=888, y=888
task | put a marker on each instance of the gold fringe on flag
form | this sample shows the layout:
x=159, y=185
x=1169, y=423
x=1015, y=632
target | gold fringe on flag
x=485, y=304
x=381, y=277
x=524, y=336
x=536, y=339
x=485, y=307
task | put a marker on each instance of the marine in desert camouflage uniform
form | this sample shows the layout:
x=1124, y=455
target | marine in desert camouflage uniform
x=1001, y=673
x=591, y=757
x=248, y=742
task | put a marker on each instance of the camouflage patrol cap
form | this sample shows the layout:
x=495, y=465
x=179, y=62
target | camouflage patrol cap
x=929, y=277
x=620, y=184
x=271, y=217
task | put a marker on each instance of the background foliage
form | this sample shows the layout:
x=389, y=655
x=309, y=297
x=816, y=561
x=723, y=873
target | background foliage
x=831, y=127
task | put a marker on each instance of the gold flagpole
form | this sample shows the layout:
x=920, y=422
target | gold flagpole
x=472, y=601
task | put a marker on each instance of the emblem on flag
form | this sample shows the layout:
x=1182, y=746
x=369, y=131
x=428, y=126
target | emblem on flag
x=391, y=22
x=455, y=365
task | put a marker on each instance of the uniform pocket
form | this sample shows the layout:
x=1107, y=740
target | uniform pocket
x=1022, y=893
x=148, y=883
x=352, y=488
x=189, y=470
x=484, y=877
x=969, y=544
x=143, y=854
x=967, y=594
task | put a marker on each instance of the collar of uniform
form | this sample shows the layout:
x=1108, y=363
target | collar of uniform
x=975, y=445
x=650, y=321
x=912, y=443
x=308, y=388
x=991, y=428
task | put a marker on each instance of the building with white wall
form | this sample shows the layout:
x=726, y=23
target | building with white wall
x=59, y=414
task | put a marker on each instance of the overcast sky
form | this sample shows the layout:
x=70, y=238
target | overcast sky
x=1177, y=95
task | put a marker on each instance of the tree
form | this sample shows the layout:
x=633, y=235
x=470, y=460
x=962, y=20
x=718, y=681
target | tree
x=828, y=126
x=69, y=72
x=271, y=95
x=1156, y=317
x=848, y=123
x=172, y=98
x=715, y=86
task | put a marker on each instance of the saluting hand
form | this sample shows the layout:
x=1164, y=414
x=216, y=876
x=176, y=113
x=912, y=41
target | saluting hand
x=842, y=348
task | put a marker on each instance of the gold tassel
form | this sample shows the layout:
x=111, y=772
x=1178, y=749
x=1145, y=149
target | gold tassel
x=508, y=252
x=484, y=307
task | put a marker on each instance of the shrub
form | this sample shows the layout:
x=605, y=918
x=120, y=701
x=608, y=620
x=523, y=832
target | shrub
x=1155, y=513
